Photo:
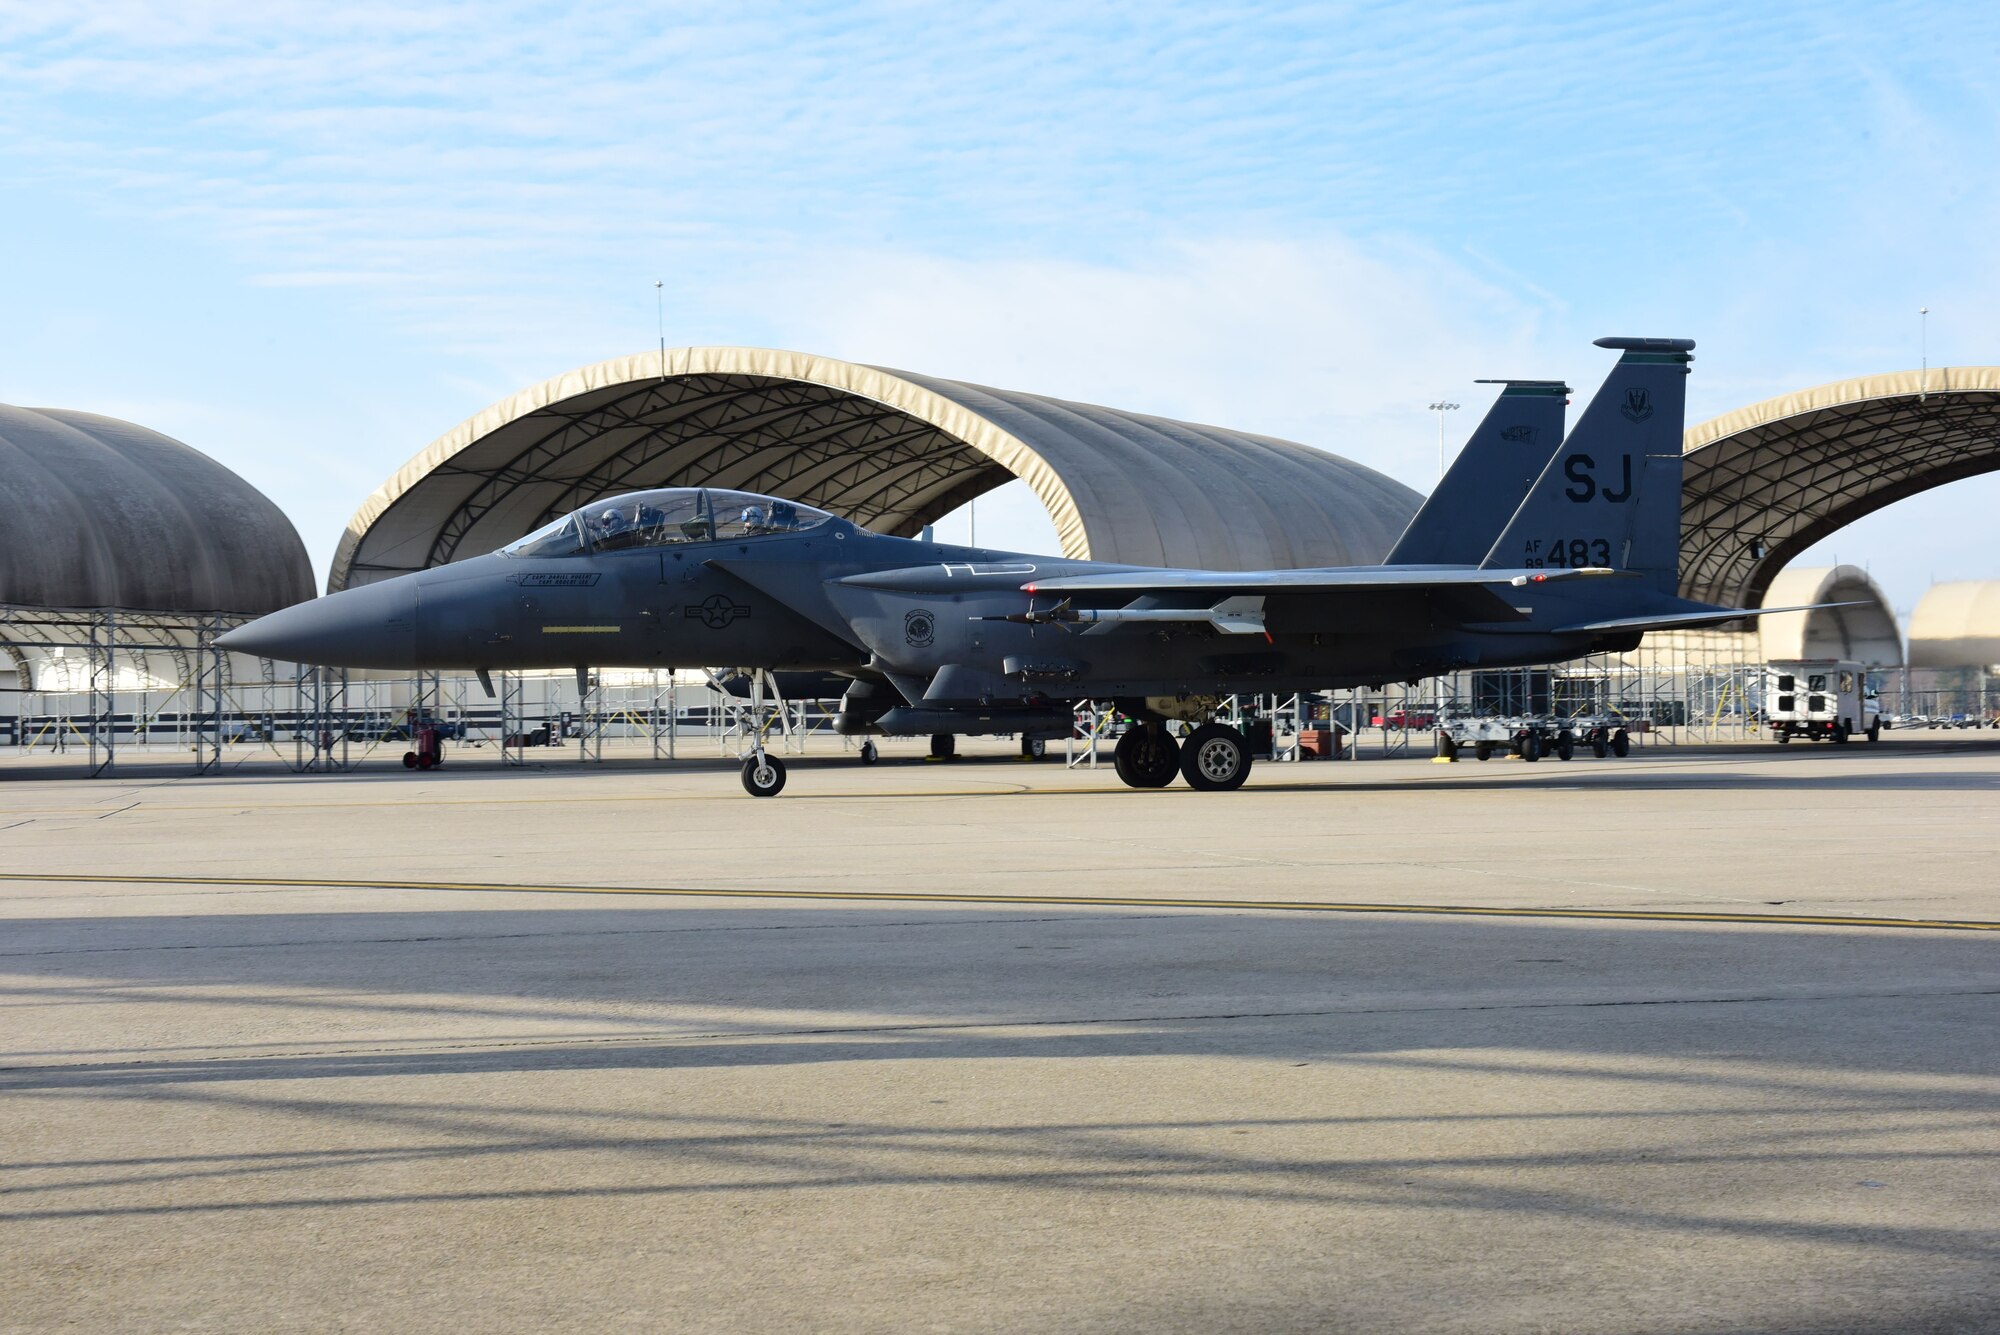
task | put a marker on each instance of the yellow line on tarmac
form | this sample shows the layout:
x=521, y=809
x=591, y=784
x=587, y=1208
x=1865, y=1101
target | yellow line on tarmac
x=1045, y=901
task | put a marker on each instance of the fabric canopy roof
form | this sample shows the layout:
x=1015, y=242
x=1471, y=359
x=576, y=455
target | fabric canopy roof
x=887, y=449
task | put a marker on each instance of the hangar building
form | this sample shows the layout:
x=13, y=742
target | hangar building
x=122, y=553
x=890, y=450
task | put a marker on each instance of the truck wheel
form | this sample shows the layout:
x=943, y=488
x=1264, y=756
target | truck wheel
x=763, y=776
x=1781, y=737
x=1621, y=745
x=1565, y=747
x=1531, y=746
x=1482, y=750
x=1875, y=731
x=1447, y=748
x=1597, y=744
x=1215, y=759
x=409, y=760
x=1840, y=734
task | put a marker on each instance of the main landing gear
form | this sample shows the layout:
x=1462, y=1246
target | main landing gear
x=1214, y=758
x=1146, y=757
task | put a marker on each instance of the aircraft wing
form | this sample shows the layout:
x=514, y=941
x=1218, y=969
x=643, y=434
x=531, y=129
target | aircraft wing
x=1333, y=580
x=1691, y=620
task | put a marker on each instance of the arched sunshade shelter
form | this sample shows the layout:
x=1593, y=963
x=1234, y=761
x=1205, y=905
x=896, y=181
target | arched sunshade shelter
x=1764, y=483
x=887, y=449
x=113, y=534
x=1957, y=625
x=99, y=513
x=1864, y=632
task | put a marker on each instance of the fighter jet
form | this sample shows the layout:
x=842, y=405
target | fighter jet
x=953, y=640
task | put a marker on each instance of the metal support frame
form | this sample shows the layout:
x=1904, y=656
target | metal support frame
x=320, y=729
x=590, y=720
x=1093, y=722
x=511, y=690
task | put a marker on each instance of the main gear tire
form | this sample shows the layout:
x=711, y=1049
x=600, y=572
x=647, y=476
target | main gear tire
x=869, y=753
x=1034, y=748
x=1215, y=759
x=763, y=776
x=943, y=746
x=1146, y=758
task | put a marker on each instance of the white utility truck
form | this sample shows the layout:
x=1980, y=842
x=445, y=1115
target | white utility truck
x=1822, y=701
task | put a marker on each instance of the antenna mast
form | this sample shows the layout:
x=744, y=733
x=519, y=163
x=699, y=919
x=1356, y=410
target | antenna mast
x=1924, y=340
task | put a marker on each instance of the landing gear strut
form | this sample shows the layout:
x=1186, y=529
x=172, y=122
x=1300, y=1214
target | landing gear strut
x=763, y=773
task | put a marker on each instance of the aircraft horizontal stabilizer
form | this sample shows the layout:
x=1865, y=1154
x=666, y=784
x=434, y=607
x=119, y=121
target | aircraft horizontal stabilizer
x=1691, y=620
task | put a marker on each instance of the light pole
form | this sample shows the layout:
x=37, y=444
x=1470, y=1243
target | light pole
x=1441, y=408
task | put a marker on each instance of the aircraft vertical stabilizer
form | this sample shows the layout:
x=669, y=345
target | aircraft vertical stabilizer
x=1506, y=453
x=1611, y=496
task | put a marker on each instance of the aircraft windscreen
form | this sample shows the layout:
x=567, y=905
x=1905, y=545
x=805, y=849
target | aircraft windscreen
x=663, y=518
x=561, y=538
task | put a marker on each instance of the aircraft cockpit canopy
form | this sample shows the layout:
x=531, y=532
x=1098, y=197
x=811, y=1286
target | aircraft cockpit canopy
x=666, y=517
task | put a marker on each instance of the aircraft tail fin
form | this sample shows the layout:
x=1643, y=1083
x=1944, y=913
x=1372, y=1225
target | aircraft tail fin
x=1458, y=522
x=1611, y=496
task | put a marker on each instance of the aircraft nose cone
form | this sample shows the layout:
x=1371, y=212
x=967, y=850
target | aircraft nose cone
x=374, y=626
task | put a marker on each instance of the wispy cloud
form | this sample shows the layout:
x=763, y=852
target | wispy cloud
x=1304, y=218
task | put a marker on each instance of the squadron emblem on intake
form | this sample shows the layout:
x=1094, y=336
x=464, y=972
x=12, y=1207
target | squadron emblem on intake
x=919, y=628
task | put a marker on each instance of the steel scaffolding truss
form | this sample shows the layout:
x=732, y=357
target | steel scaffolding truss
x=1784, y=475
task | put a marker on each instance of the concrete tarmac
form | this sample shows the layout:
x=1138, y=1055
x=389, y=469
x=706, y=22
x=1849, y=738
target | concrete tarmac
x=330, y=1077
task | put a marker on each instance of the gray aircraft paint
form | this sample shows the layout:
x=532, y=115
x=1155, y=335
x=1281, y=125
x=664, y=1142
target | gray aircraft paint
x=949, y=629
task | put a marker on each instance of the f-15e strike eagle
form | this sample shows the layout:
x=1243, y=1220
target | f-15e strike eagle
x=1534, y=548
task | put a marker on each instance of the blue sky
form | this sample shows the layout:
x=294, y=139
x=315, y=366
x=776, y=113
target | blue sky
x=307, y=239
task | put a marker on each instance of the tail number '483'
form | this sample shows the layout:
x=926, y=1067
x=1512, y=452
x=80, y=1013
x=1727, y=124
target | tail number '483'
x=1569, y=553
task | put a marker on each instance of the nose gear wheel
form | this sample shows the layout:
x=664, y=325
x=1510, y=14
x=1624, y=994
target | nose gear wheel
x=763, y=775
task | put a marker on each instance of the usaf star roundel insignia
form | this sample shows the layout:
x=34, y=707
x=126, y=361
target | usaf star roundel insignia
x=716, y=611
